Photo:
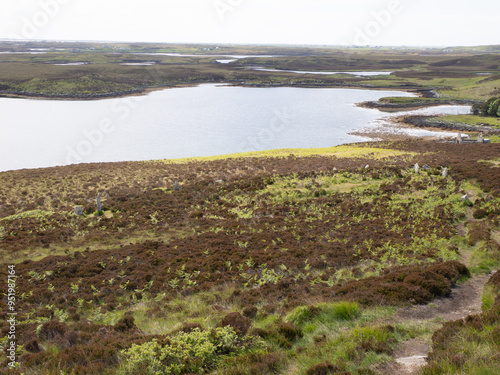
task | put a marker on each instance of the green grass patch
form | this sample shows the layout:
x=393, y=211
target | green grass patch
x=338, y=152
x=410, y=100
x=482, y=261
x=488, y=297
x=470, y=120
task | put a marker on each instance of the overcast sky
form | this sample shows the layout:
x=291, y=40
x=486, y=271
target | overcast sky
x=321, y=22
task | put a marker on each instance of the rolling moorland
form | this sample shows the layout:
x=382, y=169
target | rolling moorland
x=312, y=258
x=340, y=260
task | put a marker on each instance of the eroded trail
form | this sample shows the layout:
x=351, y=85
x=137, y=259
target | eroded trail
x=465, y=299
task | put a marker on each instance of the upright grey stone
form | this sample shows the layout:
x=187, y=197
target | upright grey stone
x=417, y=168
x=99, y=206
x=177, y=186
x=459, y=138
x=480, y=138
x=78, y=210
x=444, y=173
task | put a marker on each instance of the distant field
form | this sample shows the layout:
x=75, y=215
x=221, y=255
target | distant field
x=452, y=76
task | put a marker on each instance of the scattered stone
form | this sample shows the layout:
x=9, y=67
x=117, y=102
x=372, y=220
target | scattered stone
x=78, y=210
x=444, y=173
x=417, y=168
x=426, y=167
x=219, y=181
x=464, y=197
x=334, y=169
x=177, y=187
x=99, y=205
x=415, y=361
x=367, y=166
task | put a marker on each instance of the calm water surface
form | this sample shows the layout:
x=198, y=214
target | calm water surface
x=195, y=121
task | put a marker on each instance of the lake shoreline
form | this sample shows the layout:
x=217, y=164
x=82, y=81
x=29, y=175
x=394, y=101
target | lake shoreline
x=147, y=90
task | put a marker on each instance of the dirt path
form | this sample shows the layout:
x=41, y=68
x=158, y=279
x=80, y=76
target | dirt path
x=465, y=299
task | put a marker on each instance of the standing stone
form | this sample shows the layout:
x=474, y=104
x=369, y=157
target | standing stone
x=78, y=210
x=417, y=168
x=480, y=138
x=99, y=206
x=444, y=173
x=459, y=138
x=177, y=187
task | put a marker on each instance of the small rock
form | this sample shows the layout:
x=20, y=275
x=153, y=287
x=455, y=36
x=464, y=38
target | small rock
x=177, y=187
x=78, y=210
x=426, y=167
x=464, y=197
x=413, y=361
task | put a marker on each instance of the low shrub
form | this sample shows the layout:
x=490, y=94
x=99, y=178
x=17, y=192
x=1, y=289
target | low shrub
x=250, y=311
x=236, y=321
x=399, y=285
x=480, y=213
x=289, y=331
x=126, y=323
x=197, y=351
x=51, y=330
x=478, y=232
